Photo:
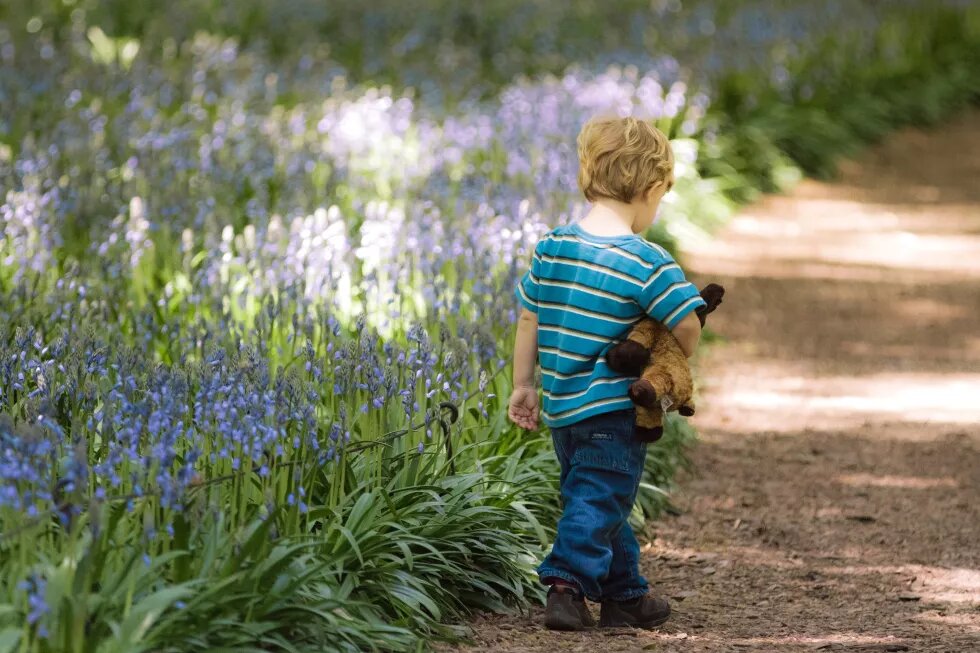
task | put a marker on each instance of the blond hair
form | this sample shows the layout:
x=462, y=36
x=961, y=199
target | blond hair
x=621, y=158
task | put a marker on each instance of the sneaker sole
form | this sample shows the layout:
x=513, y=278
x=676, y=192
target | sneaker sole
x=567, y=627
x=646, y=625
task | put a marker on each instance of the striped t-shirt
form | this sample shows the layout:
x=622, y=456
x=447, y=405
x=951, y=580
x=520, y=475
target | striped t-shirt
x=588, y=291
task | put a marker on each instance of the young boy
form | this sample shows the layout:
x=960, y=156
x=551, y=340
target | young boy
x=588, y=283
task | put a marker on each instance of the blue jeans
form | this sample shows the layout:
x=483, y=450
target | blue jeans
x=601, y=465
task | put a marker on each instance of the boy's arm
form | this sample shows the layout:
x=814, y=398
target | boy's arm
x=688, y=333
x=523, y=405
x=525, y=349
x=671, y=299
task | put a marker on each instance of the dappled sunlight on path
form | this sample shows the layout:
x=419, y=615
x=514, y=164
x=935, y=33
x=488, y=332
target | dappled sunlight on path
x=839, y=475
x=835, y=504
x=787, y=400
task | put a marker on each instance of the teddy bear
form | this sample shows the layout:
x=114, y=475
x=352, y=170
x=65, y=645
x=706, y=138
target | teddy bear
x=652, y=353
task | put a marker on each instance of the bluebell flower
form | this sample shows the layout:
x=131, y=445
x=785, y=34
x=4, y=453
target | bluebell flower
x=36, y=588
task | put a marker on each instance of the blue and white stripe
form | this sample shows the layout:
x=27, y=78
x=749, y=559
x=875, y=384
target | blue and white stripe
x=588, y=291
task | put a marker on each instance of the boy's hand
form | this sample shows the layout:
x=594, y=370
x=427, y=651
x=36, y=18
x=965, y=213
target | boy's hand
x=523, y=408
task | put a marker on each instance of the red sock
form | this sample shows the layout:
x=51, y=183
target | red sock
x=561, y=582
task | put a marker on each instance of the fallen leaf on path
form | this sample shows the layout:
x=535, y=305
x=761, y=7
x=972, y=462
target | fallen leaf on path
x=686, y=594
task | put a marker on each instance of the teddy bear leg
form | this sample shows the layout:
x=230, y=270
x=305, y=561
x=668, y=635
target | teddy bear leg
x=686, y=410
x=649, y=424
x=646, y=391
x=643, y=394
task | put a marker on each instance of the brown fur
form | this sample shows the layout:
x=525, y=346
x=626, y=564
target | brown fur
x=651, y=352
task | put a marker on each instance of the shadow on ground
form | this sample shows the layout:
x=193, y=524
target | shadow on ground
x=836, y=505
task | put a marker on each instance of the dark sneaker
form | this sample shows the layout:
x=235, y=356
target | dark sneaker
x=647, y=611
x=566, y=610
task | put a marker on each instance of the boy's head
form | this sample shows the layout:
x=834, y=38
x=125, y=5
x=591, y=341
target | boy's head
x=624, y=159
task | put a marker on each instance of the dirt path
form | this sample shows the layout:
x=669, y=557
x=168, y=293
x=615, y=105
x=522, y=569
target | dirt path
x=836, y=505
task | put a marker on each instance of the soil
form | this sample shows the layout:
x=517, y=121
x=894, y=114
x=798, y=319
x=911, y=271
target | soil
x=835, y=504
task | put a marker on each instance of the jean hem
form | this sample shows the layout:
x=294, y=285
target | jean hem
x=551, y=572
x=628, y=595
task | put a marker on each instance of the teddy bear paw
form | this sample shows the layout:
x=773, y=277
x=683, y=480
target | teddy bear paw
x=628, y=358
x=712, y=295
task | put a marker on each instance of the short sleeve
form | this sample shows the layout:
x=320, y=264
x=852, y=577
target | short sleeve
x=667, y=296
x=527, y=287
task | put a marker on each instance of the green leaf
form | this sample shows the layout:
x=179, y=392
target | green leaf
x=213, y=541
x=406, y=553
x=9, y=638
x=255, y=541
x=415, y=598
x=363, y=511
x=144, y=614
x=351, y=540
x=533, y=521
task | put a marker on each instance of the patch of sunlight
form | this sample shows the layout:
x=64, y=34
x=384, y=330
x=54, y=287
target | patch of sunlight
x=744, y=555
x=845, y=257
x=942, y=350
x=829, y=512
x=853, y=639
x=107, y=50
x=903, y=249
x=779, y=216
x=853, y=400
x=803, y=237
x=964, y=622
x=938, y=584
x=921, y=309
x=957, y=585
x=904, y=482
x=771, y=268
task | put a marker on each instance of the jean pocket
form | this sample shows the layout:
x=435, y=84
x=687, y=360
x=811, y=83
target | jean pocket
x=610, y=461
x=602, y=448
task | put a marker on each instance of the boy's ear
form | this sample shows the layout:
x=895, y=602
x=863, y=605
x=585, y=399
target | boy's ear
x=657, y=185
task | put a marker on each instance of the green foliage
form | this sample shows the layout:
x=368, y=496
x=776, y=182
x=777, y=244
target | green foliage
x=403, y=533
x=921, y=66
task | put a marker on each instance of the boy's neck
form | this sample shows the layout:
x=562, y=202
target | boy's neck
x=610, y=218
